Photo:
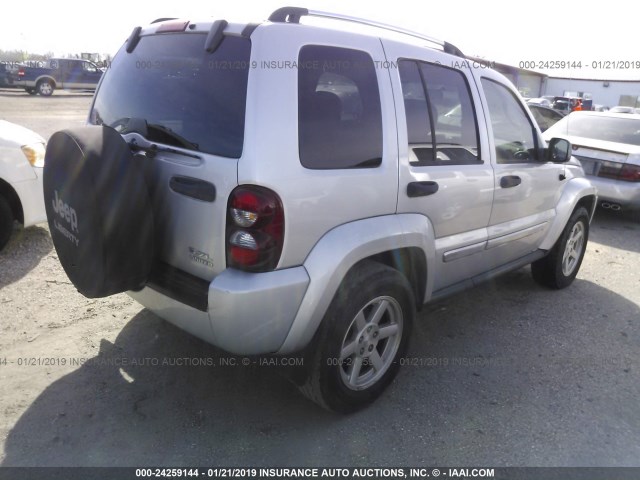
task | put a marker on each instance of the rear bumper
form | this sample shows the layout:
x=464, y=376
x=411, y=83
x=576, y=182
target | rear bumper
x=247, y=314
x=627, y=194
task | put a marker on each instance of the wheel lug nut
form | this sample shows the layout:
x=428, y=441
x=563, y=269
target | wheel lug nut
x=361, y=339
x=361, y=351
x=375, y=334
x=368, y=329
x=370, y=348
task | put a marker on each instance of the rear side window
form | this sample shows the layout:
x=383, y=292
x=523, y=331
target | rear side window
x=339, y=114
x=178, y=93
x=441, y=121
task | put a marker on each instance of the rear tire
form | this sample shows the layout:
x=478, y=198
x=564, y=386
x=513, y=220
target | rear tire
x=6, y=222
x=45, y=88
x=362, y=337
x=558, y=269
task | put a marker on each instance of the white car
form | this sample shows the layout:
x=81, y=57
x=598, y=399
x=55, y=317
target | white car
x=545, y=102
x=608, y=147
x=21, y=165
x=621, y=109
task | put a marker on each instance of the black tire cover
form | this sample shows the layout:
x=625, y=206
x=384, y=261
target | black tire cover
x=99, y=211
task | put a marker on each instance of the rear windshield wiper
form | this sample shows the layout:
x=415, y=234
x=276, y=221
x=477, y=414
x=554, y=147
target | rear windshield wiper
x=153, y=149
x=153, y=132
x=176, y=139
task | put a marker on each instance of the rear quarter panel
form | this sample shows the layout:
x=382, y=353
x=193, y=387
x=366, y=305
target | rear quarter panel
x=315, y=201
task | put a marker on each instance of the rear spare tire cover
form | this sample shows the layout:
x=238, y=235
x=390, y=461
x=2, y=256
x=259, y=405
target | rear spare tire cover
x=98, y=210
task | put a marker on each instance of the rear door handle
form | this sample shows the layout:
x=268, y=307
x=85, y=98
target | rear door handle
x=421, y=189
x=509, y=181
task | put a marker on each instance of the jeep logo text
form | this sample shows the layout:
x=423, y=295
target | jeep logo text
x=65, y=212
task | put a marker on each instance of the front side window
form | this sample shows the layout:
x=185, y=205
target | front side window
x=514, y=136
x=339, y=113
x=88, y=67
x=441, y=123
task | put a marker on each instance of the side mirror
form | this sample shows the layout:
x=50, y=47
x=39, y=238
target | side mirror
x=558, y=151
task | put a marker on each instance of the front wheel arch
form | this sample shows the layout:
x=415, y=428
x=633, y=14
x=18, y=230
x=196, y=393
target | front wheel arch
x=7, y=191
x=559, y=268
x=6, y=222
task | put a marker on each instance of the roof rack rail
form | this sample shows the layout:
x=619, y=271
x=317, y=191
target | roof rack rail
x=293, y=15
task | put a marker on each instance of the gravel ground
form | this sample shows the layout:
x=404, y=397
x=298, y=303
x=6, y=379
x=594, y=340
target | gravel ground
x=507, y=374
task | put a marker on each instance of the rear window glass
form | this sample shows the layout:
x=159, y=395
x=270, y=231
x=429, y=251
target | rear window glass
x=340, y=120
x=177, y=92
x=438, y=105
x=609, y=129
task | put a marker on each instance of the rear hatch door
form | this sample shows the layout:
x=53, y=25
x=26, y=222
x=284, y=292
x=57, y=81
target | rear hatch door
x=183, y=110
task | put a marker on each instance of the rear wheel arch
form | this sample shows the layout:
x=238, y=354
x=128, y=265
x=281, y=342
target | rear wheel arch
x=410, y=262
x=402, y=242
x=51, y=80
x=367, y=283
x=40, y=86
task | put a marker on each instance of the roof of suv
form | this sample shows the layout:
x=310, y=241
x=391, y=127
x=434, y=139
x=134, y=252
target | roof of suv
x=294, y=14
x=286, y=15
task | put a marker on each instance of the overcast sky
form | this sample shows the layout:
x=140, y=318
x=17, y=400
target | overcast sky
x=508, y=32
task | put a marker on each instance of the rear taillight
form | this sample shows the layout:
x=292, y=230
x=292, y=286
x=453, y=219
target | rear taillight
x=629, y=173
x=21, y=72
x=255, y=229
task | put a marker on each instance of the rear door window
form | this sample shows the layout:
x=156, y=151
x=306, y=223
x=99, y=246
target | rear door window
x=439, y=114
x=339, y=113
x=180, y=94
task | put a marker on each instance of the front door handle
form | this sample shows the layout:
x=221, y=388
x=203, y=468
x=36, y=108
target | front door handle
x=421, y=189
x=509, y=181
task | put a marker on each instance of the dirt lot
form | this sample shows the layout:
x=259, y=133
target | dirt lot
x=506, y=374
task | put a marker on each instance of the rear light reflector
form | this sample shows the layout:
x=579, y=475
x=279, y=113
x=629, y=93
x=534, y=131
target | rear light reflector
x=609, y=169
x=242, y=256
x=630, y=173
x=255, y=229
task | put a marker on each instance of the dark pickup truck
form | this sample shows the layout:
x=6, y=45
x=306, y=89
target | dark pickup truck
x=6, y=75
x=65, y=73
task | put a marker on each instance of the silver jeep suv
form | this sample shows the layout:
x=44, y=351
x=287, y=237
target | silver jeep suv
x=303, y=186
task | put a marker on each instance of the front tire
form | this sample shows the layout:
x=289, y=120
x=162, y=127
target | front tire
x=6, y=222
x=363, y=335
x=558, y=269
